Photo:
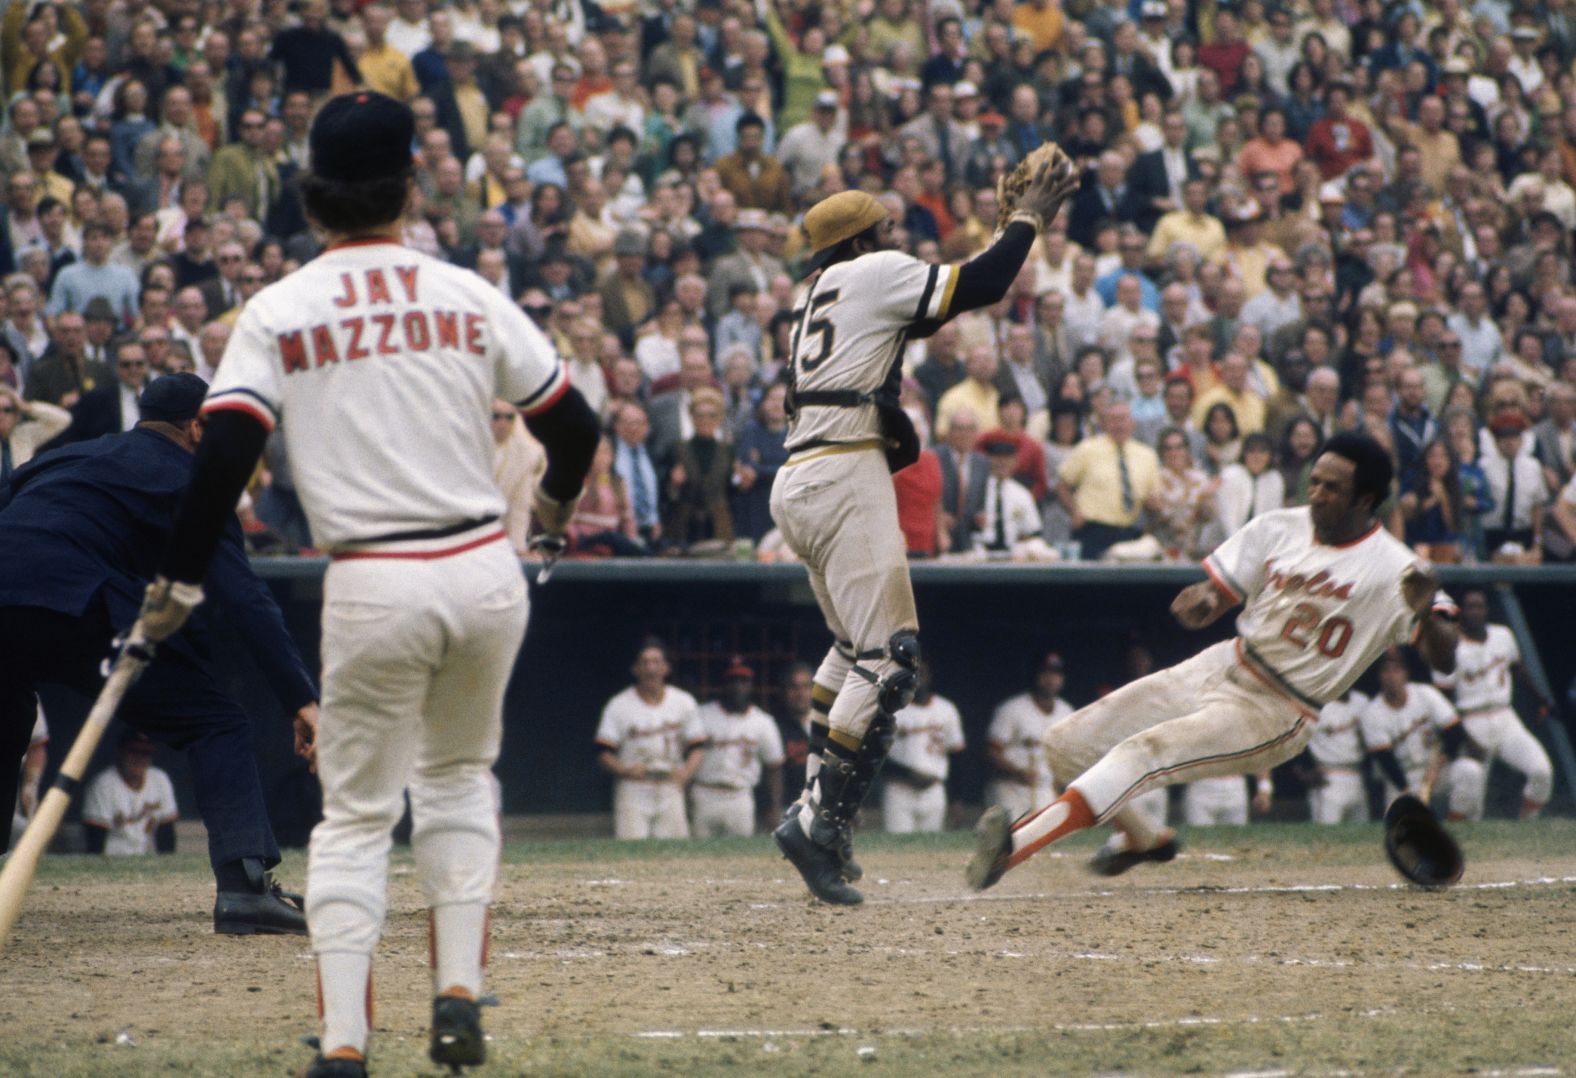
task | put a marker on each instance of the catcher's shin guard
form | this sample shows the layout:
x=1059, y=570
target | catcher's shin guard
x=845, y=780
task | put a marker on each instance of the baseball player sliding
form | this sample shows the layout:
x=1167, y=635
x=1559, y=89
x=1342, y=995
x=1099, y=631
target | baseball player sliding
x=1325, y=590
x=381, y=364
x=833, y=499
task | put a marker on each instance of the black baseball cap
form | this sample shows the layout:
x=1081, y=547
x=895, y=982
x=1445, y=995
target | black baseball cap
x=172, y=398
x=362, y=136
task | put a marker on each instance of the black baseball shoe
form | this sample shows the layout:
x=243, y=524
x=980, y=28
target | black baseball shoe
x=264, y=908
x=334, y=1068
x=992, y=848
x=1111, y=860
x=821, y=867
x=457, y=1039
x=852, y=871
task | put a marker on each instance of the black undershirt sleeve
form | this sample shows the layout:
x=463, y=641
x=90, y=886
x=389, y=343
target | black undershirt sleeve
x=164, y=838
x=231, y=444
x=984, y=279
x=569, y=431
x=1452, y=739
x=95, y=837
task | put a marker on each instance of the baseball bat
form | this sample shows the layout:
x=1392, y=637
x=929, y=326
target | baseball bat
x=17, y=875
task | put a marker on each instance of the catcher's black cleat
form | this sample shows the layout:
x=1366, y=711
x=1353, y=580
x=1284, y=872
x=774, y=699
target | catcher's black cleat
x=335, y=1067
x=1112, y=861
x=457, y=1039
x=264, y=908
x=821, y=867
x=992, y=848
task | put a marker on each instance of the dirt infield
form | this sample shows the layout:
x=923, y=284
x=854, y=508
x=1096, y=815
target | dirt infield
x=1267, y=950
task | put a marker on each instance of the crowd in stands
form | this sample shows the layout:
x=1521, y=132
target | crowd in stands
x=1295, y=218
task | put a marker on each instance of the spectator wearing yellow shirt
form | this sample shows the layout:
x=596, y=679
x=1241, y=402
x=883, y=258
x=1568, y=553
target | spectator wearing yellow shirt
x=383, y=67
x=1106, y=481
x=1190, y=224
x=1234, y=391
x=976, y=394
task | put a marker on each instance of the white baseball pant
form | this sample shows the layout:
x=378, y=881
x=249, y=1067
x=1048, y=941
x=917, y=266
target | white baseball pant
x=907, y=811
x=1501, y=733
x=416, y=657
x=1207, y=716
x=1220, y=800
x=1341, y=799
x=716, y=811
x=839, y=514
x=648, y=808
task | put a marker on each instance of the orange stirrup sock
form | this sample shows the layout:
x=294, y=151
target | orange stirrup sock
x=1066, y=814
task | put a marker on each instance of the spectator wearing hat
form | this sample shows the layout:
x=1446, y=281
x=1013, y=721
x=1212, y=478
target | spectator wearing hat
x=463, y=110
x=743, y=747
x=808, y=148
x=751, y=264
x=86, y=521
x=991, y=153
x=756, y=180
x=1010, y=521
x=94, y=277
x=699, y=480
x=627, y=297
x=129, y=810
x=42, y=151
x=1513, y=529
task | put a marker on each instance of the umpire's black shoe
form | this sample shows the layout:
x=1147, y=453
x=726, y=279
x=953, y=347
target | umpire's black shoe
x=457, y=1039
x=263, y=908
x=1112, y=861
x=821, y=867
x=334, y=1068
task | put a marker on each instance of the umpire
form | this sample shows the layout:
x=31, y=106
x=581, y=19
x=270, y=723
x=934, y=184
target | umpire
x=83, y=528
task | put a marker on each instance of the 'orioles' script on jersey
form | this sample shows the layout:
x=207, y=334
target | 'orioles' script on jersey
x=1314, y=616
x=382, y=364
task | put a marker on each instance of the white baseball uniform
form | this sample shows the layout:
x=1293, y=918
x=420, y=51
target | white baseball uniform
x=927, y=735
x=1018, y=730
x=1220, y=799
x=130, y=816
x=1314, y=618
x=1483, y=690
x=833, y=500
x=1410, y=729
x=1337, y=747
x=382, y=364
x=657, y=736
x=738, y=746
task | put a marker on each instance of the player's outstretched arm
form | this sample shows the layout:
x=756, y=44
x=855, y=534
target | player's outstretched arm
x=1436, y=634
x=568, y=430
x=1201, y=604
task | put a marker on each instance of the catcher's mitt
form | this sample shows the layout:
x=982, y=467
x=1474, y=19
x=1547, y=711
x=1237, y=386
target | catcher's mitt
x=1010, y=188
x=1419, y=848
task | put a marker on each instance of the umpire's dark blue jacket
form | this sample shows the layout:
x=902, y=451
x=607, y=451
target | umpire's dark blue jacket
x=93, y=519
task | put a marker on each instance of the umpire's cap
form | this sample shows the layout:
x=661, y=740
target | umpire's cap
x=362, y=136
x=172, y=398
x=838, y=218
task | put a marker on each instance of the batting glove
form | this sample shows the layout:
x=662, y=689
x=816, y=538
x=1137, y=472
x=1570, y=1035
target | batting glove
x=165, y=607
x=553, y=515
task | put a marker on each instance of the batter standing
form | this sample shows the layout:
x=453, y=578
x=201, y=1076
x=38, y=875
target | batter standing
x=833, y=499
x=381, y=364
x=1325, y=590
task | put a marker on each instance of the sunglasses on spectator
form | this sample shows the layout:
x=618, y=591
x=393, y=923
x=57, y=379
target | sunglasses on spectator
x=8, y=409
x=131, y=364
x=230, y=258
x=707, y=413
x=252, y=278
x=499, y=417
x=539, y=311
